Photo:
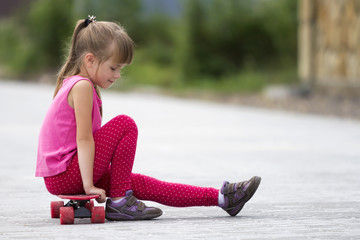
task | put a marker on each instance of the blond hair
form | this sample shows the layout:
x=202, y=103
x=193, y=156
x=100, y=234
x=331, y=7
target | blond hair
x=103, y=39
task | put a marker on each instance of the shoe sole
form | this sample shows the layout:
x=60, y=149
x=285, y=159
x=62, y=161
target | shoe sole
x=252, y=189
x=131, y=218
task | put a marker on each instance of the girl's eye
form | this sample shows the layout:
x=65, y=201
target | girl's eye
x=113, y=68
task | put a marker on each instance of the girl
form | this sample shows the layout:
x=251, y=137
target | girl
x=76, y=155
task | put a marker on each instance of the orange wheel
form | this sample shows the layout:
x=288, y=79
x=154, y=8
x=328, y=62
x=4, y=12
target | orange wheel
x=66, y=215
x=55, y=208
x=98, y=215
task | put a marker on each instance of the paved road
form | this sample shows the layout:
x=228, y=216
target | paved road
x=310, y=168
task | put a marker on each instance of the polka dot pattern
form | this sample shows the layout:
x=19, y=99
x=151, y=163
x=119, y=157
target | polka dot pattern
x=172, y=194
x=115, y=147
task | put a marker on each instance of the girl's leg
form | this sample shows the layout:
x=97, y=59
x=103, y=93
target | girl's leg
x=115, y=143
x=232, y=196
x=172, y=194
x=147, y=188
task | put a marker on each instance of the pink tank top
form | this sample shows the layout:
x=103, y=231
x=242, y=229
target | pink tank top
x=57, y=139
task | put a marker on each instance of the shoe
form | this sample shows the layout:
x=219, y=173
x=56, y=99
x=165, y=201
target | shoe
x=129, y=208
x=237, y=194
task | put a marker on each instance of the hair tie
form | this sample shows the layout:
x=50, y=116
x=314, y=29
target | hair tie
x=89, y=20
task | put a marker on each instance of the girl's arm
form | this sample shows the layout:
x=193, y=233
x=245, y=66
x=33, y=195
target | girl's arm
x=81, y=99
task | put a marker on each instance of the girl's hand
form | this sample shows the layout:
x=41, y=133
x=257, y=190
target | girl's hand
x=98, y=191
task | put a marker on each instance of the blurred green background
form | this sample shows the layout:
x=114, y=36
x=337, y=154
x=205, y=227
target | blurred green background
x=226, y=46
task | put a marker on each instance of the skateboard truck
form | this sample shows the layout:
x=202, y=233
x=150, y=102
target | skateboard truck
x=80, y=210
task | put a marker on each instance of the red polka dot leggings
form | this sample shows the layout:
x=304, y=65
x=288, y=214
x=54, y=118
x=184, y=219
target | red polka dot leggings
x=115, y=147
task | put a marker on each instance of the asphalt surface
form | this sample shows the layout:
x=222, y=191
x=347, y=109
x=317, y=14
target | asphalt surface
x=309, y=167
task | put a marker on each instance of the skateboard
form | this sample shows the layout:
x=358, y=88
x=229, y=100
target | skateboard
x=79, y=206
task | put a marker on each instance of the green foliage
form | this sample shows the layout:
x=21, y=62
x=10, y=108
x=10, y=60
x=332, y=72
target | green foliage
x=126, y=12
x=49, y=23
x=33, y=41
x=225, y=36
x=223, y=45
x=15, y=50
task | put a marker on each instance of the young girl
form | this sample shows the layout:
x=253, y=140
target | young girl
x=76, y=155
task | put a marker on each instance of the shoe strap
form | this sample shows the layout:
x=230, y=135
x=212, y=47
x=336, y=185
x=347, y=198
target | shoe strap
x=140, y=206
x=229, y=188
x=131, y=201
x=233, y=187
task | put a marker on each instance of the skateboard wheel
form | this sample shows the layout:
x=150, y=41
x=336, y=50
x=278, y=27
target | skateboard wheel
x=66, y=215
x=89, y=205
x=97, y=214
x=55, y=208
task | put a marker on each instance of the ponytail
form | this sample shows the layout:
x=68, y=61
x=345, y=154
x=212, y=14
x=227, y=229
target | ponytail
x=71, y=66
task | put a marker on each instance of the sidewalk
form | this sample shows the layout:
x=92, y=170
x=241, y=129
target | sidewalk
x=309, y=166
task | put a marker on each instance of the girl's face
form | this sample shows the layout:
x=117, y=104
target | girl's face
x=107, y=73
x=104, y=74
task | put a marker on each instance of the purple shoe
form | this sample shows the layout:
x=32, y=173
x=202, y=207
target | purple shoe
x=237, y=194
x=129, y=208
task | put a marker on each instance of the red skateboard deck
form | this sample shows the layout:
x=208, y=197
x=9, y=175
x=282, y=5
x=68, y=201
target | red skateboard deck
x=79, y=206
x=78, y=197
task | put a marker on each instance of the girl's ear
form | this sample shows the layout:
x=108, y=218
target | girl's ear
x=89, y=60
